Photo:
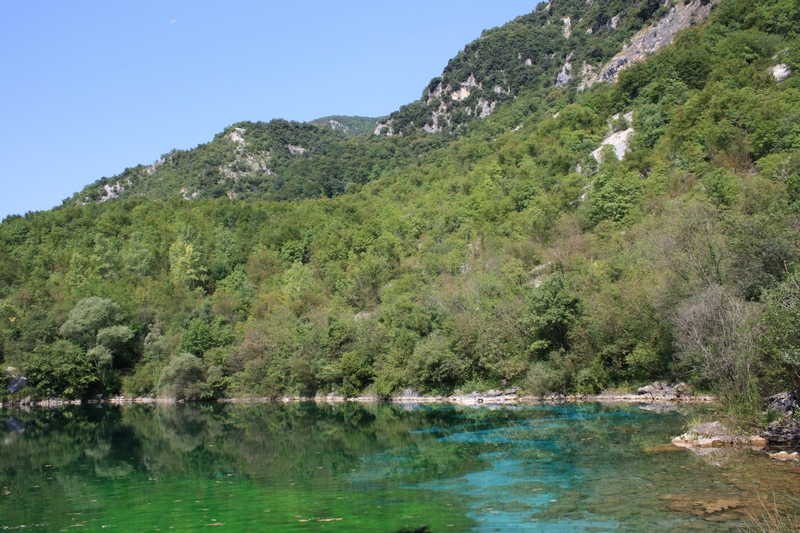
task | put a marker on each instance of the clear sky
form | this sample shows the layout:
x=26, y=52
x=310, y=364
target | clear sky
x=90, y=87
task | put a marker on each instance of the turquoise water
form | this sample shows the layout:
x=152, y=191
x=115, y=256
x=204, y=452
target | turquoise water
x=373, y=468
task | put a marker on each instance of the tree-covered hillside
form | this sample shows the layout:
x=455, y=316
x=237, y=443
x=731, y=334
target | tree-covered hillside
x=561, y=43
x=276, y=160
x=348, y=125
x=507, y=255
x=558, y=45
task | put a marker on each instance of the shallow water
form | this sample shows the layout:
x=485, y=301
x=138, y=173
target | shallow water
x=373, y=468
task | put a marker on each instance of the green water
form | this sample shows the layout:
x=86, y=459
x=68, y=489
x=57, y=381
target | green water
x=371, y=468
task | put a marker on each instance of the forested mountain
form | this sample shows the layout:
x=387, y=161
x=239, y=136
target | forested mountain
x=276, y=160
x=561, y=44
x=564, y=43
x=519, y=252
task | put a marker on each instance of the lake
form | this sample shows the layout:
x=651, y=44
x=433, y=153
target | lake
x=373, y=468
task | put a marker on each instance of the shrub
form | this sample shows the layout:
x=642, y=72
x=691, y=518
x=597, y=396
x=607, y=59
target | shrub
x=88, y=317
x=434, y=365
x=715, y=334
x=183, y=378
x=62, y=369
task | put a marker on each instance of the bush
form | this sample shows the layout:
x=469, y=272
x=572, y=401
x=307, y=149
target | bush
x=543, y=379
x=183, y=378
x=715, y=334
x=88, y=317
x=62, y=369
x=434, y=365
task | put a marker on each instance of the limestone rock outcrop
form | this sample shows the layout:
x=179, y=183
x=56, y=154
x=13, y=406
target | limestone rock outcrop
x=652, y=39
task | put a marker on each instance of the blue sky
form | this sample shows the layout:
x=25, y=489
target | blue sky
x=91, y=87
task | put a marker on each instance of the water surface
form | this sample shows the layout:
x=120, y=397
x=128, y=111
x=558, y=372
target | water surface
x=372, y=468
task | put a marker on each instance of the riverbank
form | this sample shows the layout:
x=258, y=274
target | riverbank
x=488, y=398
x=654, y=393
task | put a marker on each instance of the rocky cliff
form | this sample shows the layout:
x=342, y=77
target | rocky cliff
x=649, y=40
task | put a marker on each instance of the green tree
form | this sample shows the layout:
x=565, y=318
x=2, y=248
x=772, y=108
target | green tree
x=62, y=370
x=614, y=195
x=434, y=366
x=184, y=264
x=780, y=343
x=183, y=378
x=549, y=313
x=88, y=317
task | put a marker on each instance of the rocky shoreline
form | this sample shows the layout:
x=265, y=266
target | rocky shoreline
x=702, y=439
x=655, y=393
x=706, y=439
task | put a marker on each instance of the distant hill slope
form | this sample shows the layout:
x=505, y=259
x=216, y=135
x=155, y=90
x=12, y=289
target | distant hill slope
x=276, y=160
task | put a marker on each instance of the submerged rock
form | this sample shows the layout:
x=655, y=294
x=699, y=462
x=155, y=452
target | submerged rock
x=716, y=435
x=785, y=456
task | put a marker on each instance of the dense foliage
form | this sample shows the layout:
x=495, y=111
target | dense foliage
x=348, y=125
x=504, y=256
x=276, y=160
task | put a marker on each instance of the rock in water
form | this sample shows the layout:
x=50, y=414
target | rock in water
x=782, y=432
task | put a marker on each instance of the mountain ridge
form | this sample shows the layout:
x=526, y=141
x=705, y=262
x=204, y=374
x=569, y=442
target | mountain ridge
x=268, y=166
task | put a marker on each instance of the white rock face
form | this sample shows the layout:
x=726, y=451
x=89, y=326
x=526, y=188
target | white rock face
x=587, y=73
x=619, y=140
x=437, y=92
x=253, y=163
x=653, y=38
x=187, y=196
x=564, y=76
x=781, y=71
x=487, y=108
x=236, y=136
x=112, y=191
x=384, y=129
x=294, y=150
x=460, y=94
x=567, y=26
x=439, y=120
x=466, y=88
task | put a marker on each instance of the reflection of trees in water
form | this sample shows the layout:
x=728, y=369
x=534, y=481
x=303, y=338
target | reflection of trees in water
x=39, y=460
x=77, y=455
x=308, y=443
x=271, y=440
x=275, y=441
x=172, y=437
